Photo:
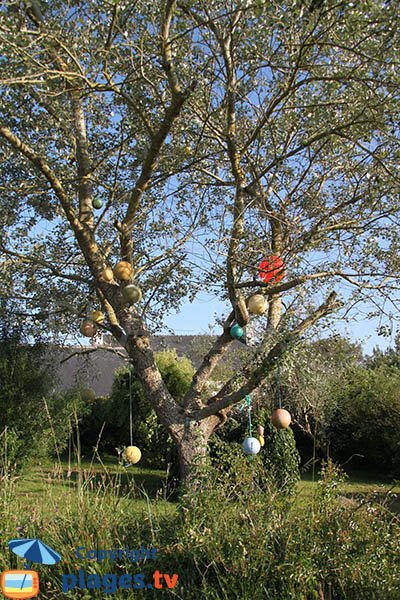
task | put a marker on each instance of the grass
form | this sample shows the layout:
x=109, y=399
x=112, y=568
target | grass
x=329, y=541
x=53, y=487
x=50, y=488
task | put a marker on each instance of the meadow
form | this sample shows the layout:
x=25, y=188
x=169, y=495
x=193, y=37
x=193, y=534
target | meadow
x=234, y=536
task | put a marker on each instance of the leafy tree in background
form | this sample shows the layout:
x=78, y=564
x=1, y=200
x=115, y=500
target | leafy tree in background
x=33, y=422
x=215, y=134
x=365, y=418
x=147, y=432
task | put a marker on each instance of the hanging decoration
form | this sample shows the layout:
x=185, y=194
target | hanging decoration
x=251, y=445
x=257, y=304
x=88, y=328
x=123, y=270
x=131, y=453
x=271, y=269
x=97, y=317
x=281, y=418
x=261, y=439
x=107, y=274
x=237, y=332
x=88, y=395
x=131, y=294
x=97, y=203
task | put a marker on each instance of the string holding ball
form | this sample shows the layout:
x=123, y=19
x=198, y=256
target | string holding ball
x=88, y=395
x=97, y=203
x=88, y=328
x=131, y=294
x=97, y=317
x=257, y=304
x=236, y=332
x=123, y=270
x=132, y=454
x=107, y=274
x=281, y=418
x=271, y=269
x=251, y=446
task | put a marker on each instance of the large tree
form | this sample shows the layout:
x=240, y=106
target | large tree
x=216, y=133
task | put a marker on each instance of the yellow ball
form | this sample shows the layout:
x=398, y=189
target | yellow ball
x=123, y=270
x=261, y=440
x=97, y=316
x=107, y=274
x=132, y=454
x=188, y=150
x=257, y=304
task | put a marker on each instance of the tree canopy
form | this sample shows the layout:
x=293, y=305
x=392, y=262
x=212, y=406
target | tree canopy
x=215, y=134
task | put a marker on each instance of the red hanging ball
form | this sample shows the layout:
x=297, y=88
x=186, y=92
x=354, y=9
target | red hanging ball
x=272, y=269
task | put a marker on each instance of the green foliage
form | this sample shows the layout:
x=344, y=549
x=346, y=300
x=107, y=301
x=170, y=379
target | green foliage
x=280, y=457
x=264, y=547
x=148, y=434
x=366, y=416
x=33, y=421
x=232, y=537
x=177, y=373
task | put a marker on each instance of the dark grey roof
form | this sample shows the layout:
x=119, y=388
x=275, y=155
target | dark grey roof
x=96, y=369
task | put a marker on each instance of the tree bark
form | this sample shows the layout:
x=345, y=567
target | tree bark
x=192, y=445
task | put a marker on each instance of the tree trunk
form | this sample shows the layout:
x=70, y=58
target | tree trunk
x=192, y=443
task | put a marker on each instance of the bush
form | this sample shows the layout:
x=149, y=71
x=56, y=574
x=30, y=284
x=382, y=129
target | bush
x=281, y=457
x=157, y=446
x=366, y=417
x=31, y=419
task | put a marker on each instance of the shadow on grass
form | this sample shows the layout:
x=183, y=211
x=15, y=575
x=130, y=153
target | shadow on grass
x=94, y=477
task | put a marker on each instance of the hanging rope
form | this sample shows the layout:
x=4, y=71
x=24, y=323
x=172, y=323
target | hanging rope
x=278, y=385
x=247, y=404
x=130, y=405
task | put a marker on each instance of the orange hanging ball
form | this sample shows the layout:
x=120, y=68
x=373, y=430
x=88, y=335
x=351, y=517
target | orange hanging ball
x=123, y=270
x=281, y=418
x=271, y=269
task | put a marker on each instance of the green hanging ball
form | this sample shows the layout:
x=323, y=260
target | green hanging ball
x=97, y=203
x=131, y=294
x=236, y=332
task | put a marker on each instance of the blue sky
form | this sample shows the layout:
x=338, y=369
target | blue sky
x=201, y=314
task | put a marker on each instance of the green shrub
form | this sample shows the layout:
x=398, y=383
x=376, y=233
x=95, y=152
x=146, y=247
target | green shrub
x=280, y=457
x=366, y=417
x=157, y=447
x=32, y=420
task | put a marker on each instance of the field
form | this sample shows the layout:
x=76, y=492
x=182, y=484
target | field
x=331, y=540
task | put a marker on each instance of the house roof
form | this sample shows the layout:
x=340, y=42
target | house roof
x=94, y=366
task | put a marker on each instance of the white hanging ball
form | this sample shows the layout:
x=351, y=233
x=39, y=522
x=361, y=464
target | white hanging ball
x=257, y=304
x=251, y=446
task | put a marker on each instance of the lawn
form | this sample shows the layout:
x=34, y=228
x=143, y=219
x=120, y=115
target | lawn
x=317, y=544
x=51, y=486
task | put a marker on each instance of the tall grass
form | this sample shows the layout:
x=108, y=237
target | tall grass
x=232, y=536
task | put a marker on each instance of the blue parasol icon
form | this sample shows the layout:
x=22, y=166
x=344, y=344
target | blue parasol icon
x=34, y=551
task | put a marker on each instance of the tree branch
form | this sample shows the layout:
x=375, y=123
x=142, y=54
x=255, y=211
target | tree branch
x=226, y=396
